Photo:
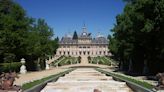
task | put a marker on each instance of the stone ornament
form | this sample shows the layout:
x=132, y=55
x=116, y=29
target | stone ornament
x=23, y=67
x=47, y=65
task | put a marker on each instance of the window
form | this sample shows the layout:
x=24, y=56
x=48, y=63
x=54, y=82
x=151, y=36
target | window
x=84, y=52
x=88, y=53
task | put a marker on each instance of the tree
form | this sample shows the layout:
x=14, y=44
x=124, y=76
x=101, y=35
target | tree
x=40, y=43
x=137, y=39
x=13, y=30
x=75, y=36
x=24, y=37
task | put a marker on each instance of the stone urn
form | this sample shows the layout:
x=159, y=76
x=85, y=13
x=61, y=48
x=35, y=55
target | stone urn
x=23, y=67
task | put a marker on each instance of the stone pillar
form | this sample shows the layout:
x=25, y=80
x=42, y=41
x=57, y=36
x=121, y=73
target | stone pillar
x=23, y=67
x=47, y=65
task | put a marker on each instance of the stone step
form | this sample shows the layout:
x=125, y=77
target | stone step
x=84, y=89
x=86, y=80
x=85, y=74
x=108, y=84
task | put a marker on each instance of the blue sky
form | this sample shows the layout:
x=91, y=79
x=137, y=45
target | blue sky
x=66, y=16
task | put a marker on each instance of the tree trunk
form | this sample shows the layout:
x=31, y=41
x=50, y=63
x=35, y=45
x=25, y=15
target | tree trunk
x=130, y=66
x=121, y=65
x=145, y=69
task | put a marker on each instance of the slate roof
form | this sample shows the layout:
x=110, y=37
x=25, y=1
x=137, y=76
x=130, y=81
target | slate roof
x=97, y=40
x=100, y=39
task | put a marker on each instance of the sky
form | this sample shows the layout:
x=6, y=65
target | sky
x=66, y=16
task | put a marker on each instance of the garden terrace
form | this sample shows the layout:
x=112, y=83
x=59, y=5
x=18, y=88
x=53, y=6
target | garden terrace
x=66, y=61
x=102, y=60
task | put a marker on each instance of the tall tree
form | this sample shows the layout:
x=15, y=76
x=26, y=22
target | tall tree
x=23, y=37
x=13, y=30
x=138, y=36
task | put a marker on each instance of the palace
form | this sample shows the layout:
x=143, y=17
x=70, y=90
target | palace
x=84, y=45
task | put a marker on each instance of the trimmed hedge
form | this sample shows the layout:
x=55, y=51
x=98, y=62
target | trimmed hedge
x=66, y=61
x=7, y=67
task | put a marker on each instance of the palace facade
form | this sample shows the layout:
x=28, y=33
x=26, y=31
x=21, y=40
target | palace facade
x=84, y=45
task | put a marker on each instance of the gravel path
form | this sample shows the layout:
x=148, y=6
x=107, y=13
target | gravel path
x=31, y=76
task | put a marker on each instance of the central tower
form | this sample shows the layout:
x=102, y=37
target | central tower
x=85, y=37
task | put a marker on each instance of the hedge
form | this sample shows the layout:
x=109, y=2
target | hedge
x=7, y=67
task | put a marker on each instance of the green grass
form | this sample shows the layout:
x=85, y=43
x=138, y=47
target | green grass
x=124, y=78
x=36, y=82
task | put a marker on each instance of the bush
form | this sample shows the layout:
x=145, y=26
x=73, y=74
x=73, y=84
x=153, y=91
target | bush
x=7, y=67
x=31, y=65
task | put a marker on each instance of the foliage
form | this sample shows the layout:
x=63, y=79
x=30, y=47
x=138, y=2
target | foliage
x=24, y=37
x=102, y=60
x=7, y=67
x=137, y=39
x=66, y=61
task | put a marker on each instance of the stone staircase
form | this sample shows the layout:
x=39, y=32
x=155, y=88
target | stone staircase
x=84, y=60
x=86, y=80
